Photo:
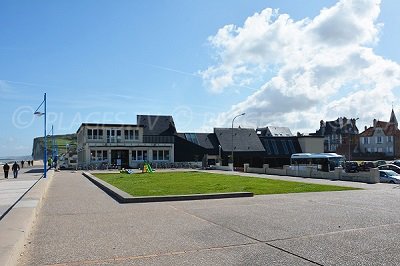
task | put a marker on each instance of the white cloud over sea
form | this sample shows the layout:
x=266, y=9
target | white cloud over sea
x=314, y=68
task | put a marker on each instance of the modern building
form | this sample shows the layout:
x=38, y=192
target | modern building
x=155, y=139
x=121, y=145
x=381, y=138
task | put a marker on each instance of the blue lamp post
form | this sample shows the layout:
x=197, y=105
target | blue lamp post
x=38, y=113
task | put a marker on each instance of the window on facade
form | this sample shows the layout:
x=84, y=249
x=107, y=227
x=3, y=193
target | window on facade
x=100, y=134
x=389, y=139
x=89, y=134
x=105, y=155
x=380, y=149
x=126, y=134
x=139, y=155
x=136, y=134
x=166, y=155
x=155, y=155
x=365, y=140
x=379, y=139
x=390, y=149
x=94, y=133
x=274, y=147
x=285, y=148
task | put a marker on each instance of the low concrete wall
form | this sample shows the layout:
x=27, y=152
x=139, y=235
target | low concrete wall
x=224, y=168
x=365, y=177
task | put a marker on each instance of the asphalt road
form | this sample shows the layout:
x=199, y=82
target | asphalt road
x=79, y=224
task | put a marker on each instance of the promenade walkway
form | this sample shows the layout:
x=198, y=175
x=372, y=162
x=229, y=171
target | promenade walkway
x=12, y=189
x=79, y=224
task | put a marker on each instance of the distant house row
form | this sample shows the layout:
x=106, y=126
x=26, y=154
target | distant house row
x=155, y=139
x=381, y=140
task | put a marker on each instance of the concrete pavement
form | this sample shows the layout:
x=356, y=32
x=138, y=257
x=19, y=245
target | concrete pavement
x=80, y=224
x=20, y=200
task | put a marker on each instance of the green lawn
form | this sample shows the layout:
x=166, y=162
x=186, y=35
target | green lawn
x=183, y=183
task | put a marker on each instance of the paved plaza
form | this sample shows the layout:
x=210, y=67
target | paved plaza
x=78, y=224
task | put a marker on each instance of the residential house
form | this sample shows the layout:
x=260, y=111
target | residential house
x=381, y=138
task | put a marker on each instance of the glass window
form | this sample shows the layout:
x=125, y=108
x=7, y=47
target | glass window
x=139, y=155
x=379, y=139
x=89, y=133
x=166, y=155
x=134, y=158
x=94, y=133
x=136, y=134
x=100, y=134
x=126, y=134
x=145, y=155
x=105, y=155
x=155, y=156
x=389, y=139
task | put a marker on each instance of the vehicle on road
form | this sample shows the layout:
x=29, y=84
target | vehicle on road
x=379, y=163
x=392, y=167
x=366, y=165
x=351, y=167
x=396, y=162
x=389, y=176
x=320, y=161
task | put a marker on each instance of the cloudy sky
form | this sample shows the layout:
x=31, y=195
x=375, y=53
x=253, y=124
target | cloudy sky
x=280, y=62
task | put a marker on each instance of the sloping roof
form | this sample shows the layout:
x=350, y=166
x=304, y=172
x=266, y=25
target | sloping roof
x=281, y=146
x=244, y=139
x=157, y=124
x=207, y=140
x=275, y=131
x=338, y=126
x=388, y=128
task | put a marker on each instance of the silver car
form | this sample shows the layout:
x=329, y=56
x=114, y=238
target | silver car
x=389, y=176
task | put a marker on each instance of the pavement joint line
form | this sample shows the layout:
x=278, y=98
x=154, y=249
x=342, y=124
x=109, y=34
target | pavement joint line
x=293, y=254
x=138, y=257
x=333, y=233
x=250, y=237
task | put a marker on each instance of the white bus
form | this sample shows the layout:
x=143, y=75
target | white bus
x=321, y=161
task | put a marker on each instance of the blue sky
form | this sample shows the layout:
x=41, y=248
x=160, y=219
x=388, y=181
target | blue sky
x=107, y=61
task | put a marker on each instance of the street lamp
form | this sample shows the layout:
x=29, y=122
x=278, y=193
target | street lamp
x=38, y=113
x=233, y=162
x=350, y=138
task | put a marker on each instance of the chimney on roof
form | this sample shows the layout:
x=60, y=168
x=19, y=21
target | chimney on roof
x=365, y=128
x=374, y=122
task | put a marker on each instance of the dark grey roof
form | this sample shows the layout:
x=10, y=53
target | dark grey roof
x=207, y=140
x=338, y=126
x=244, y=139
x=281, y=146
x=157, y=124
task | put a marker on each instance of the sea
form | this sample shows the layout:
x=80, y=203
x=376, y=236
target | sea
x=12, y=159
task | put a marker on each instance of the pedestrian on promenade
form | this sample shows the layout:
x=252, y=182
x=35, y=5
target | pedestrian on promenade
x=32, y=162
x=22, y=163
x=6, y=168
x=29, y=163
x=15, y=168
x=49, y=163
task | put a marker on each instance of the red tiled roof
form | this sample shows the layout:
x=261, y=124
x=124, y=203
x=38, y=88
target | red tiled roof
x=388, y=128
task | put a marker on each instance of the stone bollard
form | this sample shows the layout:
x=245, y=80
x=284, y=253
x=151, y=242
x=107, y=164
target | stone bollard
x=374, y=176
x=265, y=168
x=338, y=173
x=285, y=169
x=246, y=167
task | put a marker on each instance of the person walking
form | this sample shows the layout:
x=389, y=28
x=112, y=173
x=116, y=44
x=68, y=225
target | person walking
x=15, y=168
x=6, y=168
x=22, y=163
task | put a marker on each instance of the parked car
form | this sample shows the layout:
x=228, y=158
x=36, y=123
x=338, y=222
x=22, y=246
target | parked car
x=392, y=167
x=351, y=167
x=379, y=163
x=366, y=165
x=389, y=176
x=396, y=162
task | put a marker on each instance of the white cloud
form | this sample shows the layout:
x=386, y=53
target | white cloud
x=325, y=67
